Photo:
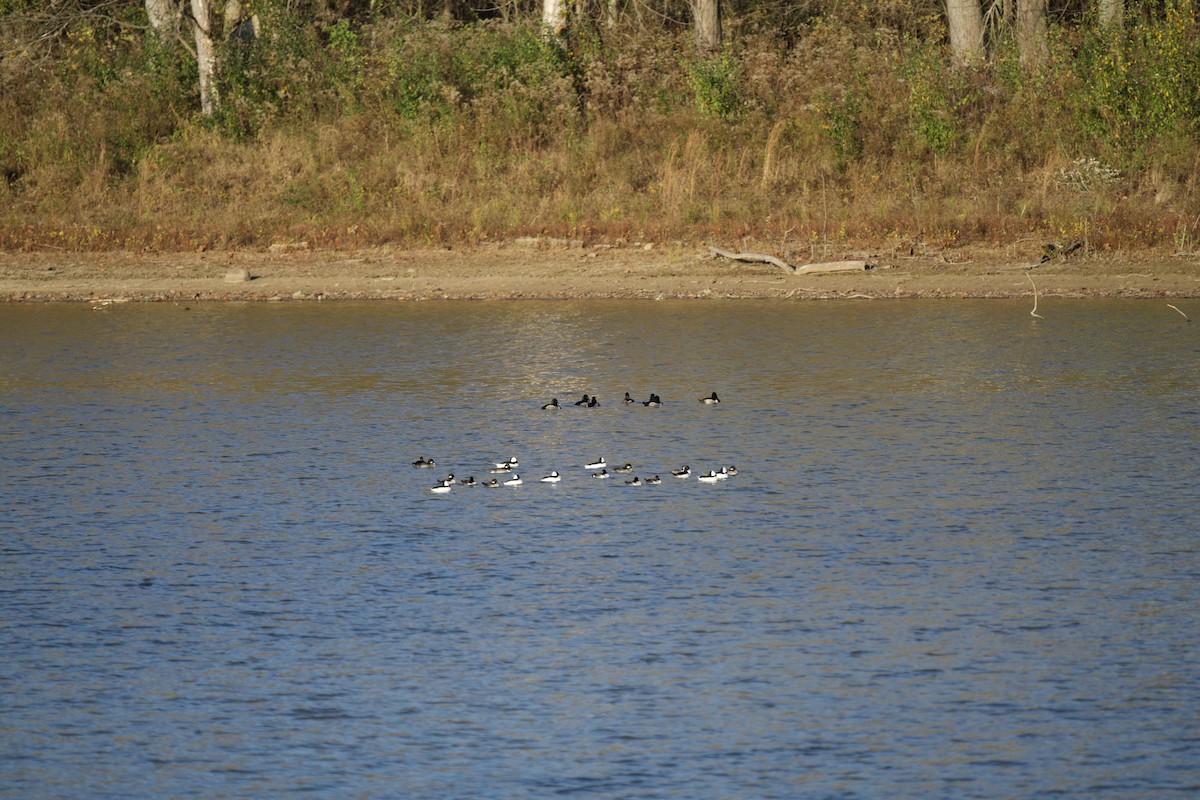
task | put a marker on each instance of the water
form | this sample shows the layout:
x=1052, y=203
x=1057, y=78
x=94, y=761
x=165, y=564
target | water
x=960, y=558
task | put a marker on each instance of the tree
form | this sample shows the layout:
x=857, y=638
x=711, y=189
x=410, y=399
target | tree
x=965, y=19
x=707, y=15
x=554, y=18
x=1031, y=34
x=1112, y=14
x=165, y=17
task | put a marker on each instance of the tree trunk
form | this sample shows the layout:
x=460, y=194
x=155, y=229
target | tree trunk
x=1112, y=14
x=554, y=18
x=1031, y=34
x=965, y=19
x=164, y=16
x=206, y=57
x=708, y=26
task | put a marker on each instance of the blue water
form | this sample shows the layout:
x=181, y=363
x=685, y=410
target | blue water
x=960, y=558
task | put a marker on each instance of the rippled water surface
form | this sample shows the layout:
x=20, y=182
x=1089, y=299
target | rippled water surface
x=960, y=557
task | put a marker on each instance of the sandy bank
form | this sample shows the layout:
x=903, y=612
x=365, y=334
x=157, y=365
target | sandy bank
x=560, y=271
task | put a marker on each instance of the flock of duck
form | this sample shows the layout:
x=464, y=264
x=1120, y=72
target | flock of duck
x=599, y=468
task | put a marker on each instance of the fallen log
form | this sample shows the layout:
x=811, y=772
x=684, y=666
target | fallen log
x=753, y=257
x=807, y=269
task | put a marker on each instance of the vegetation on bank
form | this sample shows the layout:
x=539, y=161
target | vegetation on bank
x=838, y=127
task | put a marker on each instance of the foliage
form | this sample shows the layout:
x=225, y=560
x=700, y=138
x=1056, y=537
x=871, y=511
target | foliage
x=714, y=83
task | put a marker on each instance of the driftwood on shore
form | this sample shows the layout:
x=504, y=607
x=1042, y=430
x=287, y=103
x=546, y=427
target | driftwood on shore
x=806, y=269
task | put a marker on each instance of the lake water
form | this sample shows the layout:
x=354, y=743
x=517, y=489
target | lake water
x=960, y=558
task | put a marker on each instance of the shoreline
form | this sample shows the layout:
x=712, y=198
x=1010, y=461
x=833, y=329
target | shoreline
x=555, y=270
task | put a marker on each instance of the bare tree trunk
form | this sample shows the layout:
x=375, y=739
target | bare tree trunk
x=206, y=57
x=708, y=26
x=554, y=18
x=164, y=16
x=1031, y=34
x=611, y=10
x=1112, y=14
x=965, y=20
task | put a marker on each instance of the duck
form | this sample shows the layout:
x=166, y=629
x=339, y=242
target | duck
x=448, y=480
x=711, y=400
x=655, y=481
x=682, y=472
x=553, y=477
x=584, y=401
x=468, y=481
x=552, y=405
x=599, y=463
x=602, y=474
x=654, y=402
x=626, y=468
x=515, y=480
x=628, y=400
x=440, y=488
x=491, y=484
x=594, y=402
x=731, y=470
x=709, y=477
x=512, y=462
x=424, y=463
x=500, y=469
x=723, y=473
x=635, y=482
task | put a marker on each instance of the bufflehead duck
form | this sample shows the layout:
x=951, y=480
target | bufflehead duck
x=515, y=480
x=712, y=399
x=512, y=462
x=595, y=401
x=635, y=482
x=682, y=472
x=491, y=484
x=709, y=477
x=655, y=481
x=599, y=463
x=552, y=405
x=584, y=401
x=441, y=488
x=626, y=468
x=553, y=477
x=654, y=402
x=732, y=470
x=722, y=473
x=468, y=481
x=424, y=463
x=628, y=399
x=601, y=474
x=500, y=469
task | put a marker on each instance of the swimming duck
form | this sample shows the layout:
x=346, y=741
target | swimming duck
x=553, y=477
x=709, y=477
x=711, y=400
x=599, y=463
x=515, y=480
x=468, y=481
x=595, y=401
x=626, y=468
x=552, y=405
x=448, y=480
x=635, y=482
x=731, y=470
x=628, y=399
x=602, y=474
x=655, y=481
x=512, y=462
x=440, y=488
x=654, y=402
x=491, y=484
x=424, y=463
x=682, y=472
x=722, y=473
x=584, y=401
x=500, y=469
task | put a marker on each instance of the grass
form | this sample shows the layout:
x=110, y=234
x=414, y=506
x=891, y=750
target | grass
x=415, y=132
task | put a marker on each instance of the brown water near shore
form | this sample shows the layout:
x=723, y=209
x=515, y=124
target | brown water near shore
x=553, y=270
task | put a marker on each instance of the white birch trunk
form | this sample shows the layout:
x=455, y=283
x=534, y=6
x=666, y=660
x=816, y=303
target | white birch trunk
x=965, y=19
x=206, y=57
x=164, y=16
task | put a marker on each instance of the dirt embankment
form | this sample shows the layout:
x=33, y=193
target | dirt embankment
x=543, y=269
